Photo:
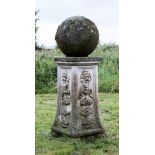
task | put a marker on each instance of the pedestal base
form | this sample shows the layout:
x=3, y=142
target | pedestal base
x=82, y=134
x=77, y=98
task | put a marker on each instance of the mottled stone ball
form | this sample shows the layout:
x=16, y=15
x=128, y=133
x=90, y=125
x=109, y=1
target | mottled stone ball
x=77, y=36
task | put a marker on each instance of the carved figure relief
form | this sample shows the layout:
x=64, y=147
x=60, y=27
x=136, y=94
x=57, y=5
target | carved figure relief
x=86, y=100
x=86, y=111
x=65, y=100
x=64, y=122
x=65, y=94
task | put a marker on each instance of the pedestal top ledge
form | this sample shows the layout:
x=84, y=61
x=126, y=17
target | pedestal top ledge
x=77, y=60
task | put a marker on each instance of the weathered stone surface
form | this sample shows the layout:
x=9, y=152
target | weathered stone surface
x=77, y=36
x=78, y=59
x=77, y=110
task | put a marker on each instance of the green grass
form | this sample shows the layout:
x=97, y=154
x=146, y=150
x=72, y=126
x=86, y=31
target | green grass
x=46, y=144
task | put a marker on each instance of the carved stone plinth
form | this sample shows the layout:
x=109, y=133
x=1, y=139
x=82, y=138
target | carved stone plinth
x=77, y=98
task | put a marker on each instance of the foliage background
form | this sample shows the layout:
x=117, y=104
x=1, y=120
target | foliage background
x=46, y=70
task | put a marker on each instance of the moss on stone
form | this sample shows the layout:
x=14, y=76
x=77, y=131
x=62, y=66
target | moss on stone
x=77, y=36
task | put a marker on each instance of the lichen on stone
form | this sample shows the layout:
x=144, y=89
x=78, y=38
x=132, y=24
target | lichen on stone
x=77, y=36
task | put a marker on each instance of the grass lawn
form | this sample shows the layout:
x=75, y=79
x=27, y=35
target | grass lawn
x=46, y=144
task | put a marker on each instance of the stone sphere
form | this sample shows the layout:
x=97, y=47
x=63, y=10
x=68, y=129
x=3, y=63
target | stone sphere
x=77, y=36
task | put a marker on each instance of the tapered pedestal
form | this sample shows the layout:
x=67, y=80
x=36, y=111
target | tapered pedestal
x=77, y=98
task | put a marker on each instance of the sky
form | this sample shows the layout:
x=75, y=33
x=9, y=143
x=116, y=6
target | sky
x=104, y=13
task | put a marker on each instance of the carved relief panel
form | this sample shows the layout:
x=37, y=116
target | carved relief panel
x=65, y=100
x=86, y=100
